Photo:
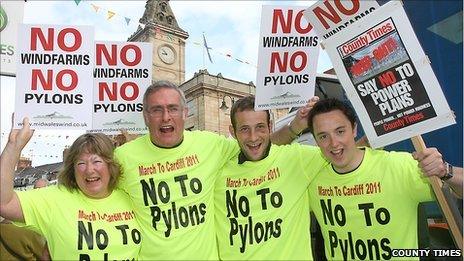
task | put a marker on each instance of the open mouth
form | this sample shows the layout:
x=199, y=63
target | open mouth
x=166, y=129
x=337, y=153
x=90, y=180
x=254, y=147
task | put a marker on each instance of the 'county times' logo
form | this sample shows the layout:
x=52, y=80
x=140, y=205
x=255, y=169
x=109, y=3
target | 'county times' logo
x=3, y=19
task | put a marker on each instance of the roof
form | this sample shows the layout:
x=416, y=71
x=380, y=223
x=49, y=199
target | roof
x=28, y=175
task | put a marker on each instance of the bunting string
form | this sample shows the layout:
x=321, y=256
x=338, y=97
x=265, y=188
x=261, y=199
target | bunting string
x=112, y=16
x=56, y=143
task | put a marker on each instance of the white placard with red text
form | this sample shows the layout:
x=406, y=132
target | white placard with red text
x=332, y=16
x=54, y=76
x=287, y=58
x=388, y=78
x=123, y=71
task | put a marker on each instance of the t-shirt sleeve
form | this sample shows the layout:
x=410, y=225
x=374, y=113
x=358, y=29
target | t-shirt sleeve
x=117, y=156
x=120, y=159
x=312, y=160
x=37, y=208
x=418, y=185
x=126, y=156
x=228, y=147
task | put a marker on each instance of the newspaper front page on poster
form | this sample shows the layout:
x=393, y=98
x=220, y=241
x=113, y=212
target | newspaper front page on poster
x=388, y=78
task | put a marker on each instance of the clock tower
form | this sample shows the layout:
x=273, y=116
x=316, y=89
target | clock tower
x=168, y=39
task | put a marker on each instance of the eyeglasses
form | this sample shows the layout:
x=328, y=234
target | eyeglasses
x=157, y=112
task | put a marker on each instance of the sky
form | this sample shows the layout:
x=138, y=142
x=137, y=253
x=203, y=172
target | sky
x=230, y=27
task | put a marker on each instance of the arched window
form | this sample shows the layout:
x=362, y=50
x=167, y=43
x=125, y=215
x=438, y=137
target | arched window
x=163, y=7
x=161, y=16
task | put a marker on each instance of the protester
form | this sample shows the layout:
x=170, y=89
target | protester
x=366, y=200
x=84, y=217
x=170, y=175
x=261, y=199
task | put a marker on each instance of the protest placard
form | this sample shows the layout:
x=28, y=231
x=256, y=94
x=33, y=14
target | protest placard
x=11, y=15
x=54, y=78
x=123, y=71
x=287, y=59
x=332, y=16
x=388, y=78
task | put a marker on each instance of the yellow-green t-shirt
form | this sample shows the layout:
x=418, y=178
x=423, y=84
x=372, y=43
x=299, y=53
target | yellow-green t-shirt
x=172, y=193
x=80, y=228
x=366, y=213
x=262, y=207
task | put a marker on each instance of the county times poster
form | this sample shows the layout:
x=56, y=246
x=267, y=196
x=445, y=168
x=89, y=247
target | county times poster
x=388, y=78
x=330, y=17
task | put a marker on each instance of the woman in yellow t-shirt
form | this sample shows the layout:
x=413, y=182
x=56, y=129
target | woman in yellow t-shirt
x=84, y=216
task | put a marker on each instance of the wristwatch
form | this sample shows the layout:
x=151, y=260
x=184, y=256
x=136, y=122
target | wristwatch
x=449, y=172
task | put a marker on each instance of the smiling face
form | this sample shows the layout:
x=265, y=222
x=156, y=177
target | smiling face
x=252, y=131
x=335, y=136
x=92, y=175
x=165, y=117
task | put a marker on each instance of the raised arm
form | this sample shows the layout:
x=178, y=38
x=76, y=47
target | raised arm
x=432, y=164
x=288, y=133
x=124, y=137
x=10, y=207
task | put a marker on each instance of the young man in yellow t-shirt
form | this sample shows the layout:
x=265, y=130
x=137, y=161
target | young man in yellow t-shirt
x=366, y=200
x=261, y=200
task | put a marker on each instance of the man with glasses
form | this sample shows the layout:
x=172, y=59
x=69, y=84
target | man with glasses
x=170, y=174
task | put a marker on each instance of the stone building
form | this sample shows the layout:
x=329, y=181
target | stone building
x=209, y=97
x=168, y=53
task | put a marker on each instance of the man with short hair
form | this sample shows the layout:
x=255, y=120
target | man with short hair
x=366, y=200
x=261, y=197
x=170, y=174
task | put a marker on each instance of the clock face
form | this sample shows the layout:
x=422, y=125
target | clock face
x=166, y=54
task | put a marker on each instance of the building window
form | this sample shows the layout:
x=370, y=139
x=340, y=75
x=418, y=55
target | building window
x=192, y=108
x=161, y=17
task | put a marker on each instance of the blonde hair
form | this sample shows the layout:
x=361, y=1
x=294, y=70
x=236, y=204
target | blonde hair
x=93, y=143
